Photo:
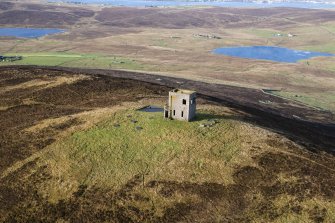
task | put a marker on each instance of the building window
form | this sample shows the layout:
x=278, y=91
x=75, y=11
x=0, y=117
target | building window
x=184, y=101
x=192, y=101
x=174, y=112
x=182, y=114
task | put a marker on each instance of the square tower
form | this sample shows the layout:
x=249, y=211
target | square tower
x=181, y=106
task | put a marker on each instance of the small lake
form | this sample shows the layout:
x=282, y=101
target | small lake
x=28, y=32
x=162, y=3
x=151, y=108
x=278, y=54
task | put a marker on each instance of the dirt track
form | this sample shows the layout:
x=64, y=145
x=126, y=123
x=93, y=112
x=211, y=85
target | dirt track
x=303, y=124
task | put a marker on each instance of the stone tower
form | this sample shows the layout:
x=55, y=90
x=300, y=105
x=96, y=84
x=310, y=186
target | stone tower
x=181, y=106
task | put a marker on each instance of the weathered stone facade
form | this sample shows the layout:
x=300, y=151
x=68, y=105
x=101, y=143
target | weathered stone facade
x=181, y=106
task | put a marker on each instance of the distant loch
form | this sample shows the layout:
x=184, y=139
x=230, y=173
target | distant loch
x=28, y=32
x=272, y=53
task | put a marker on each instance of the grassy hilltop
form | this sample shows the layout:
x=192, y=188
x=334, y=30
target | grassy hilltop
x=153, y=147
x=74, y=147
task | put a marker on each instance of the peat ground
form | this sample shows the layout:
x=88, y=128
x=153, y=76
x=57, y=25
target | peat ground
x=295, y=120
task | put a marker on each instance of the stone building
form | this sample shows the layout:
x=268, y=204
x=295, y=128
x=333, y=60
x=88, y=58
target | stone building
x=181, y=106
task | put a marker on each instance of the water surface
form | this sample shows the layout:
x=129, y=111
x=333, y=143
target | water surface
x=28, y=32
x=151, y=108
x=278, y=54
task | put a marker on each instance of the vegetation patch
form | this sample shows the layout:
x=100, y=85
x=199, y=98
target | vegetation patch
x=75, y=60
x=319, y=100
x=138, y=143
x=328, y=47
x=265, y=33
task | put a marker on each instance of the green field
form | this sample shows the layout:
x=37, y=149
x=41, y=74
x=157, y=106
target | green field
x=330, y=27
x=326, y=47
x=112, y=152
x=320, y=100
x=75, y=60
x=109, y=155
x=265, y=33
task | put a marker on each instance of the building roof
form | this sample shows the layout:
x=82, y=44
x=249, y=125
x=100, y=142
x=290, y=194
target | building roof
x=183, y=91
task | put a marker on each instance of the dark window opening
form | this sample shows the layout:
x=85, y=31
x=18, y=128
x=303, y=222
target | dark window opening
x=174, y=112
x=166, y=114
x=182, y=114
x=184, y=101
